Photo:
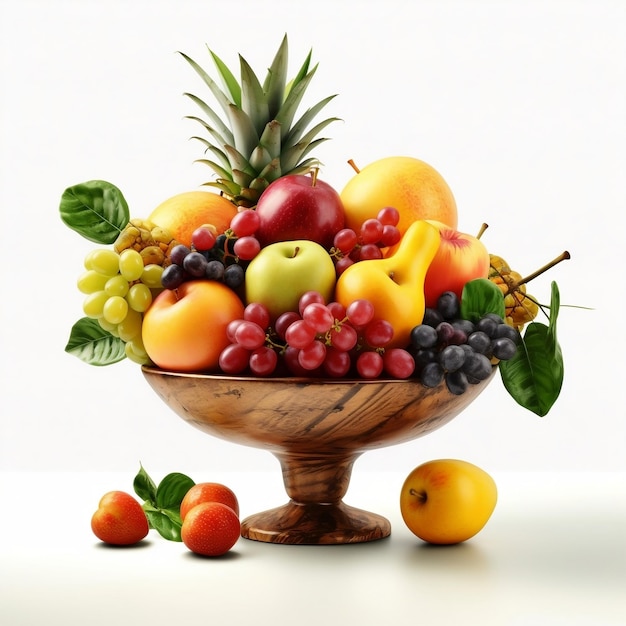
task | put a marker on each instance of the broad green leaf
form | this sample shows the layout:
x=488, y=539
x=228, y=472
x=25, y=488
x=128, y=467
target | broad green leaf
x=534, y=376
x=97, y=210
x=144, y=485
x=166, y=523
x=172, y=490
x=92, y=344
x=481, y=296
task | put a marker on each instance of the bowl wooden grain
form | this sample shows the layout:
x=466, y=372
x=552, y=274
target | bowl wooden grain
x=316, y=428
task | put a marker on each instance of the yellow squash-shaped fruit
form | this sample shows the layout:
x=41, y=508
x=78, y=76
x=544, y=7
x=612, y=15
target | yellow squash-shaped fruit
x=394, y=285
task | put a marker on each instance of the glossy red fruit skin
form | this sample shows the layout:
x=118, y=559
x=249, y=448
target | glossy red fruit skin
x=208, y=492
x=119, y=520
x=295, y=207
x=210, y=529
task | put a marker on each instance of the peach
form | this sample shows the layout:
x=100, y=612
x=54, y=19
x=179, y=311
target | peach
x=183, y=213
x=185, y=329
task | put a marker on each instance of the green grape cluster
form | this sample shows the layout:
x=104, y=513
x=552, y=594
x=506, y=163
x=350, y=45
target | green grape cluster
x=118, y=289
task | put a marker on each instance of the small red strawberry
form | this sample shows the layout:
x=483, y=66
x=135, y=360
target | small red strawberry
x=208, y=492
x=210, y=529
x=119, y=520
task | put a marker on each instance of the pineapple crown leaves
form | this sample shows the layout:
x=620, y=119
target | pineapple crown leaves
x=258, y=142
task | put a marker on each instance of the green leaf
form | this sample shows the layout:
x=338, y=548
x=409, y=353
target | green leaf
x=481, y=296
x=555, y=304
x=223, y=100
x=166, y=523
x=253, y=100
x=229, y=80
x=274, y=85
x=144, y=485
x=172, y=490
x=534, y=376
x=288, y=110
x=97, y=210
x=92, y=344
x=299, y=127
x=222, y=130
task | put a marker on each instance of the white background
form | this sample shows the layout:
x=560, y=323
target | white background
x=521, y=107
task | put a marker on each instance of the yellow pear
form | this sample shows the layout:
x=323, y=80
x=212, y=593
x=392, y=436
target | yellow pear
x=394, y=285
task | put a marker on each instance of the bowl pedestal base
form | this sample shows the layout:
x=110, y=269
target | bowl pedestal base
x=315, y=513
x=315, y=524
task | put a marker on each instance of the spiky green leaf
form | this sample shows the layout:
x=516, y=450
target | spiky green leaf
x=220, y=171
x=223, y=100
x=221, y=127
x=221, y=141
x=302, y=72
x=225, y=186
x=259, y=158
x=228, y=79
x=292, y=155
x=271, y=171
x=238, y=161
x=270, y=139
x=241, y=178
x=296, y=131
x=253, y=101
x=288, y=110
x=304, y=167
x=244, y=132
x=274, y=85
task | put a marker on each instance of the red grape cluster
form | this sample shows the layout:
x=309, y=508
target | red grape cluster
x=319, y=339
x=375, y=234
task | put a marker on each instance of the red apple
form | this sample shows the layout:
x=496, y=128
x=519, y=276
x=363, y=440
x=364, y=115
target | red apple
x=299, y=207
x=459, y=259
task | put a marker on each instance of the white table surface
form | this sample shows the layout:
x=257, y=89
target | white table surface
x=553, y=553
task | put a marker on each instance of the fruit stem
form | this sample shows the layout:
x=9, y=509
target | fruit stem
x=314, y=173
x=295, y=252
x=562, y=257
x=483, y=228
x=420, y=495
x=353, y=166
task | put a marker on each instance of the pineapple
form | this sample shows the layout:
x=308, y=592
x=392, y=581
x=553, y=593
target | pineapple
x=260, y=141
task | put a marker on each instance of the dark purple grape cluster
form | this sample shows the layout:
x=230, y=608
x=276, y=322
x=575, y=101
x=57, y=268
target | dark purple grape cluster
x=218, y=262
x=459, y=351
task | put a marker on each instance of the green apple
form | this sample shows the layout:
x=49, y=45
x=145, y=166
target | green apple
x=447, y=500
x=282, y=272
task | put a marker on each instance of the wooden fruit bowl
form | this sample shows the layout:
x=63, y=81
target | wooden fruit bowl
x=316, y=428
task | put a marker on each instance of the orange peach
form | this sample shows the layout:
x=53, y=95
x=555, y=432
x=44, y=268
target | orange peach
x=183, y=213
x=185, y=329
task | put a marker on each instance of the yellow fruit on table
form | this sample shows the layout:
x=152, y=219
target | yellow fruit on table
x=183, y=213
x=412, y=186
x=447, y=501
